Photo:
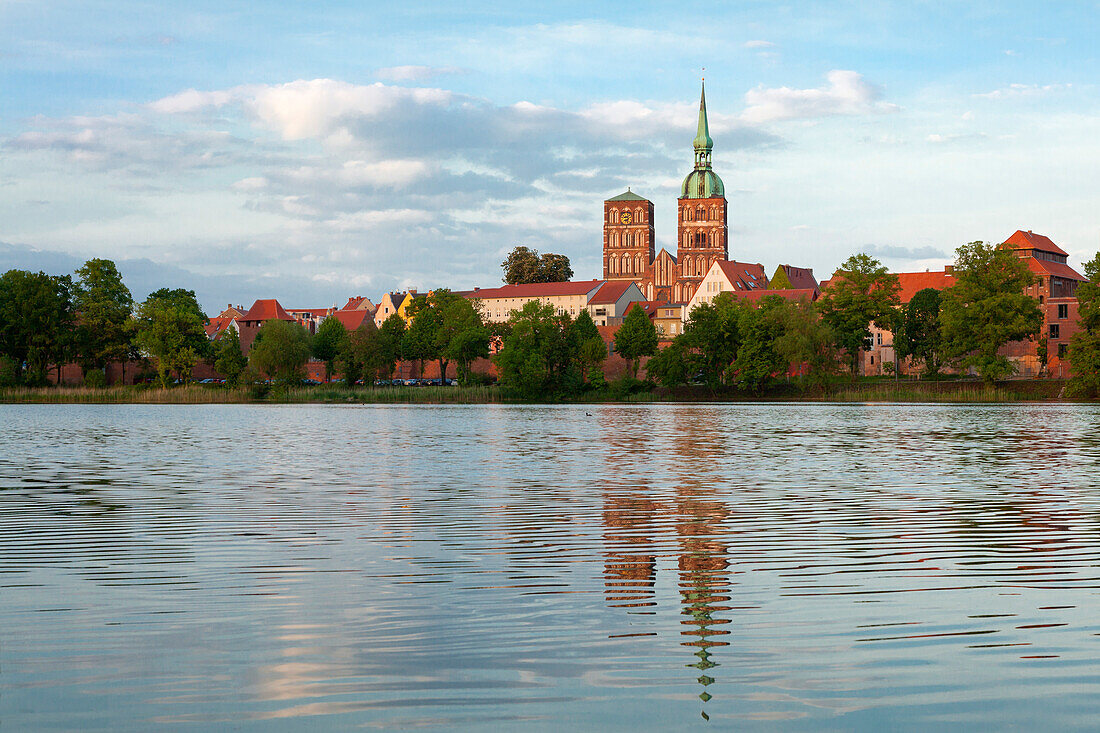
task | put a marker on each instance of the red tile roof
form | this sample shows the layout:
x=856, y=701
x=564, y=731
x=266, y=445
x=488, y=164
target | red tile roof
x=217, y=324
x=1029, y=240
x=914, y=282
x=744, y=276
x=649, y=306
x=1057, y=269
x=359, y=303
x=791, y=294
x=535, y=290
x=353, y=319
x=801, y=277
x=610, y=292
x=266, y=310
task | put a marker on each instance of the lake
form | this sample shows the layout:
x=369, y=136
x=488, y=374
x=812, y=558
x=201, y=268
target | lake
x=645, y=567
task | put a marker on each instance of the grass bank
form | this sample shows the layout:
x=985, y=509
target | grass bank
x=862, y=391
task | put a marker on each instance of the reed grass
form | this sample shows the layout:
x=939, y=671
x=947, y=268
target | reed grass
x=977, y=392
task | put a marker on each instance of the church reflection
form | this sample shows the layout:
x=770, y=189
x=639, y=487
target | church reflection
x=704, y=581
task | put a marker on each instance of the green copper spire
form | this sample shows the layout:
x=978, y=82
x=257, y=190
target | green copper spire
x=702, y=183
x=702, y=142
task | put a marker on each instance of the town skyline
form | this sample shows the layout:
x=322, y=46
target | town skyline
x=319, y=173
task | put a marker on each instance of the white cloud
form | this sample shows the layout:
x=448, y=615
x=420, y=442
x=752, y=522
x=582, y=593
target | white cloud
x=758, y=44
x=1024, y=90
x=847, y=93
x=416, y=73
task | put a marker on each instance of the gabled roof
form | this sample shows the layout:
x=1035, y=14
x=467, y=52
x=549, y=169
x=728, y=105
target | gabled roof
x=627, y=195
x=358, y=303
x=353, y=319
x=914, y=282
x=665, y=253
x=801, y=277
x=266, y=310
x=1057, y=269
x=535, y=290
x=610, y=292
x=1029, y=240
x=743, y=275
x=792, y=294
x=217, y=324
x=649, y=306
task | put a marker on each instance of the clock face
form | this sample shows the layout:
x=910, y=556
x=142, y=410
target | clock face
x=625, y=218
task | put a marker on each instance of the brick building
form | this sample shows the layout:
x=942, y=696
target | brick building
x=701, y=237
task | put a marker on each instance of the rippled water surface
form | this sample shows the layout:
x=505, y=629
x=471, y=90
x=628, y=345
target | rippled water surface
x=794, y=567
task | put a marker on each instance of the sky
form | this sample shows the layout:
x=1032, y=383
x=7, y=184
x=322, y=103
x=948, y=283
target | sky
x=312, y=152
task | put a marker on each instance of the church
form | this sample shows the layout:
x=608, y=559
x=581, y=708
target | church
x=701, y=233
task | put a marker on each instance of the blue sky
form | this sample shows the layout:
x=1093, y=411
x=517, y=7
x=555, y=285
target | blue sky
x=312, y=152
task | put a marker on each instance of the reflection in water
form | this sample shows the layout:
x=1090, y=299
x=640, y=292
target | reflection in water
x=855, y=567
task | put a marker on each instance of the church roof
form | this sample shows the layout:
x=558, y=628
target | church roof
x=702, y=184
x=702, y=139
x=627, y=195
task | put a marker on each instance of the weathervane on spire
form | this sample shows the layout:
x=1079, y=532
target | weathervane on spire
x=704, y=76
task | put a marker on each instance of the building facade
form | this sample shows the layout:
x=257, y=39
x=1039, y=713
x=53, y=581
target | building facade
x=701, y=230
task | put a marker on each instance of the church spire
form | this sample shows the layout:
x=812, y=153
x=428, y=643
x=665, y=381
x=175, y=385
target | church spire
x=702, y=142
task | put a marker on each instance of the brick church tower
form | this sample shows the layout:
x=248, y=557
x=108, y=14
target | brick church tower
x=701, y=228
x=627, y=237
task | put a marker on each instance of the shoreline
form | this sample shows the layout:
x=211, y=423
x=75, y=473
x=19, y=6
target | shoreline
x=961, y=391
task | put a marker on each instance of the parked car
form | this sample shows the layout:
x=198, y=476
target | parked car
x=310, y=382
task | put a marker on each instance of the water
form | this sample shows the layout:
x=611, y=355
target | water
x=779, y=567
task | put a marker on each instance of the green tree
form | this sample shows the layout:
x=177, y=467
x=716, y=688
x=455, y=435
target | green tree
x=919, y=335
x=535, y=358
x=524, y=265
x=104, y=307
x=669, y=367
x=1084, y=347
x=758, y=359
x=36, y=317
x=280, y=351
x=711, y=338
x=987, y=308
x=171, y=328
x=361, y=355
x=229, y=360
x=585, y=340
x=391, y=338
x=808, y=342
x=861, y=292
x=326, y=343
x=636, y=337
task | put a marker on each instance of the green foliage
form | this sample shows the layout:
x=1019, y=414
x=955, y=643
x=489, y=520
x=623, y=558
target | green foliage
x=95, y=378
x=229, y=360
x=807, y=341
x=919, y=334
x=326, y=343
x=636, y=337
x=524, y=265
x=758, y=360
x=987, y=308
x=361, y=354
x=1084, y=348
x=861, y=292
x=170, y=327
x=669, y=367
x=392, y=335
x=8, y=372
x=280, y=351
x=780, y=280
x=104, y=307
x=535, y=359
x=711, y=338
x=36, y=316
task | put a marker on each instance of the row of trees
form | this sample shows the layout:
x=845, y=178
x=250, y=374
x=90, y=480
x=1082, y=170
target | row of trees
x=92, y=320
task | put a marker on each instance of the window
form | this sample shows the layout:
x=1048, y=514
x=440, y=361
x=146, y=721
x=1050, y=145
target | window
x=1054, y=329
x=1062, y=348
x=1063, y=310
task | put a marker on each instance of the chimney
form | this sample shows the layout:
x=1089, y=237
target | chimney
x=948, y=269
